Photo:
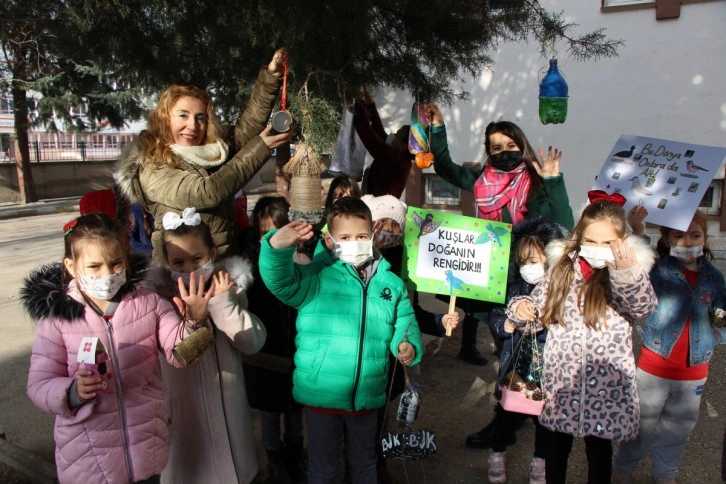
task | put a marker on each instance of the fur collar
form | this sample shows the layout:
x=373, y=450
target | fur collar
x=205, y=156
x=238, y=268
x=45, y=295
x=126, y=171
x=643, y=252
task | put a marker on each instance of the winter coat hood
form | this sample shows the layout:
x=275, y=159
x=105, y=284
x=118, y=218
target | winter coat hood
x=44, y=294
x=127, y=170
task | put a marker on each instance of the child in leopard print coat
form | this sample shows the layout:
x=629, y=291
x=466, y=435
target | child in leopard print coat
x=597, y=286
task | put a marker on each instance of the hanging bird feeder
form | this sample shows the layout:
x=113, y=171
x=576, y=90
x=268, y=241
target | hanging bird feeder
x=305, y=168
x=419, y=136
x=553, y=96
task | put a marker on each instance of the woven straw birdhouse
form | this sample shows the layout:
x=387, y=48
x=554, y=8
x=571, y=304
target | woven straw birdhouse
x=304, y=169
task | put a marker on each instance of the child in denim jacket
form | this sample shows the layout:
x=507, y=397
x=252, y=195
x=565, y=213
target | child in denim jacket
x=678, y=342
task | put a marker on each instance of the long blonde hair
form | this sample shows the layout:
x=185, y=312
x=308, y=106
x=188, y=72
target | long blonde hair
x=157, y=138
x=594, y=295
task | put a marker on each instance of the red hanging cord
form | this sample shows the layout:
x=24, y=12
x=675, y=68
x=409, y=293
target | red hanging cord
x=283, y=100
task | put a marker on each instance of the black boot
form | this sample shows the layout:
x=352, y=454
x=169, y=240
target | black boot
x=297, y=464
x=468, y=352
x=484, y=439
x=277, y=467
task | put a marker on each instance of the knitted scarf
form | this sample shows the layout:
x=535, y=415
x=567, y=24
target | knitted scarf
x=495, y=189
x=203, y=156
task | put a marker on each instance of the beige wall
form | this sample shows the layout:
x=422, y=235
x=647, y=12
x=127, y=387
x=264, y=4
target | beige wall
x=58, y=179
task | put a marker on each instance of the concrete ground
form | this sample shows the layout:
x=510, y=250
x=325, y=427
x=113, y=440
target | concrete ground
x=453, y=407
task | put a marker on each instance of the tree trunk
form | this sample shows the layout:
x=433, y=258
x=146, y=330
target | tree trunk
x=22, y=149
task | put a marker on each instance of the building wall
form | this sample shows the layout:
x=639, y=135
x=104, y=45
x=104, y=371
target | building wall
x=58, y=179
x=667, y=82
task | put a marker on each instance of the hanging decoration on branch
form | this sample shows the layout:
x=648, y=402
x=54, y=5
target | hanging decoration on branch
x=553, y=94
x=304, y=169
x=419, y=137
x=282, y=120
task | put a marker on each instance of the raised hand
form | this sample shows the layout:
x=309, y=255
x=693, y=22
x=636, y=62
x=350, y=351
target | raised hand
x=624, y=255
x=193, y=303
x=291, y=234
x=635, y=219
x=550, y=163
x=367, y=98
x=276, y=64
x=222, y=284
x=275, y=140
x=433, y=113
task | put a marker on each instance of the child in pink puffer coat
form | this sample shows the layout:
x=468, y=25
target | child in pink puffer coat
x=116, y=430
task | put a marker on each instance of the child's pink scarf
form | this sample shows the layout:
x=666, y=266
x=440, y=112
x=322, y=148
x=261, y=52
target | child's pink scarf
x=495, y=188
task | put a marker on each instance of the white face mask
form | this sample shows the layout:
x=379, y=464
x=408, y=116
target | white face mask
x=686, y=254
x=355, y=253
x=386, y=239
x=596, y=256
x=532, y=273
x=102, y=287
x=206, y=270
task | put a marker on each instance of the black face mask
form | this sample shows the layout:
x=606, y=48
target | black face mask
x=506, y=160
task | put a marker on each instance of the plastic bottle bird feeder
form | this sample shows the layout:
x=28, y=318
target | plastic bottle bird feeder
x=553, y=94
x=419, y=136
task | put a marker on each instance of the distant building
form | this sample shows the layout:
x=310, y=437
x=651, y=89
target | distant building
x=103, y=143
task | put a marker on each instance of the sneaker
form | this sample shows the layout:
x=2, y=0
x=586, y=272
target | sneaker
x=497, y=467
x=621, y=477
x=537, y=471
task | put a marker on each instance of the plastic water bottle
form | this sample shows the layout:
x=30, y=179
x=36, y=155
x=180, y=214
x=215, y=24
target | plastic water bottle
x=408, y=406
x=553, y=93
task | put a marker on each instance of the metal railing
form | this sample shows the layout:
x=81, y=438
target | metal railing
x=82, y=151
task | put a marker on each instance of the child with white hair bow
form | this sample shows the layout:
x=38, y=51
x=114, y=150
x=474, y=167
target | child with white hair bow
x=211, y=435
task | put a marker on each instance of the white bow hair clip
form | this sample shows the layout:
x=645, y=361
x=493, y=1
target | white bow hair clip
x=189, y=217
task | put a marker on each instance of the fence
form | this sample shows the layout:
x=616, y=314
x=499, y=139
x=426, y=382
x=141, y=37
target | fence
x=82, y=151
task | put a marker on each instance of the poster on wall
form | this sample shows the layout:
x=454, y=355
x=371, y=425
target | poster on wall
x=454, y=255
x=669, y=178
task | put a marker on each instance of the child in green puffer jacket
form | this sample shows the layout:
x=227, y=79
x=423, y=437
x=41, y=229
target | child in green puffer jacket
x=352, y=311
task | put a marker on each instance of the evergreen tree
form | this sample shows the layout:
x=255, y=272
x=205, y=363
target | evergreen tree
x=108, y=53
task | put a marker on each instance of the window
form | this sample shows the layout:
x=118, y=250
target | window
x=6, y=104
x=711, y=201
x=440, y=192
x=624, y=3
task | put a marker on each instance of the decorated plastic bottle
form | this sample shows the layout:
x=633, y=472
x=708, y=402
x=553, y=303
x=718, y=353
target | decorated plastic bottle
x=553, y=96
x=408, y=406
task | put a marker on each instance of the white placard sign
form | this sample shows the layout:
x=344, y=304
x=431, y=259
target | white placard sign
x=669, y=178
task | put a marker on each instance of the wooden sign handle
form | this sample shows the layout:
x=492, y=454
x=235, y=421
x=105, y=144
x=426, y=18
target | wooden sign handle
x=452, y=308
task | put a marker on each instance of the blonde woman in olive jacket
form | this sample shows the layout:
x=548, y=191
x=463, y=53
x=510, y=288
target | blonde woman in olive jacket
x=181, y=160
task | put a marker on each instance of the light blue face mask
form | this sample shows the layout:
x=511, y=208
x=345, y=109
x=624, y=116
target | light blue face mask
x=206, y=270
